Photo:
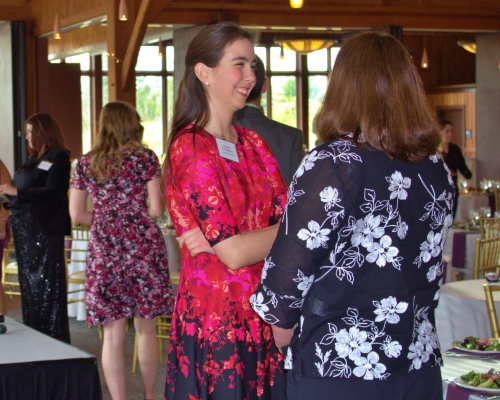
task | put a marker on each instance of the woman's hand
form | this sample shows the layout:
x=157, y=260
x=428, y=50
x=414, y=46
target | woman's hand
x=7, y=188
x=195, y=241
x=282, y=337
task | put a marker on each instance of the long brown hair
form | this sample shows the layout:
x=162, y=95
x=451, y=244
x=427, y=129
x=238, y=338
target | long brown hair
x=207, y=47
x=119, y=127
x=45, y=135
x=375, y=95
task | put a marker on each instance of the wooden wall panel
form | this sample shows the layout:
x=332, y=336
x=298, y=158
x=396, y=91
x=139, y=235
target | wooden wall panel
x=460, y=98
x=449, y=64
x=92, y=39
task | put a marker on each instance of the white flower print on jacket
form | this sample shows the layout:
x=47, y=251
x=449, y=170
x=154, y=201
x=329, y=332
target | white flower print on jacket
x=361, y=342
x=371, y=236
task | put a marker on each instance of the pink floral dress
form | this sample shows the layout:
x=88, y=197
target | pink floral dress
x=127, y=269
x=219, y=347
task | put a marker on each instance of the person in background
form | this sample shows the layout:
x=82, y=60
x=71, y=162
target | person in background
x=4, y=232
x=127, y=272
x=285, y=141
x=225, y=195
x=40, y=219
x=453, y=157
x=352, y=280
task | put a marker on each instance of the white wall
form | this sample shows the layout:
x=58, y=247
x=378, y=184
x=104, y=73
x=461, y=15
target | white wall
x=6, y=99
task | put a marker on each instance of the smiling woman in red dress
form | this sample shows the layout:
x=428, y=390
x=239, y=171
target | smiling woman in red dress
x=225, y=195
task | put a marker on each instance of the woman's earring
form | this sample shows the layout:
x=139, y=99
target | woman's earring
x=206, y=83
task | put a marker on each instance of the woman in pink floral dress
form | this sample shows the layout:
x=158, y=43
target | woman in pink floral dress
x=127, y=272
x=225, y=195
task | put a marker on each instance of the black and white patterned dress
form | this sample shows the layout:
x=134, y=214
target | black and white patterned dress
x=358, y=262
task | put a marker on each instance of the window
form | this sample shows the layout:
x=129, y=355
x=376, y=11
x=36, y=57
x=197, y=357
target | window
x=297, y=86
x=154, y=94
x=294, y=78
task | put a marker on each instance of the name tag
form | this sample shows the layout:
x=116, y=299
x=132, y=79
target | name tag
x=45, y=165
x=227, y=150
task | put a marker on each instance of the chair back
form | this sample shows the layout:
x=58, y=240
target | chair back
x=487, y=258
x=76, y=247
x=489, y=227
x=490, y=306
x=9, y=272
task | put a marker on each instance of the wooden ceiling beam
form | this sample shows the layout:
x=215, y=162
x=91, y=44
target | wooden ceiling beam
x=349, y=16
x=12, y=13
x=436, y=22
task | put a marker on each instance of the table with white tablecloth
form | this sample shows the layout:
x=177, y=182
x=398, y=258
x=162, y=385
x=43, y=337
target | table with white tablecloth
x=456, y=366
x=467, y=272
x=36, y=366
x=462, y=311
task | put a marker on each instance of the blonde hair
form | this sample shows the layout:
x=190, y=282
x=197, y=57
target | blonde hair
x=119, y=128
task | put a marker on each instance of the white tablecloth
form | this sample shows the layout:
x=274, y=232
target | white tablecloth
x=468, y=202
x=462, y=312
x=470, y=250
x=21, y=344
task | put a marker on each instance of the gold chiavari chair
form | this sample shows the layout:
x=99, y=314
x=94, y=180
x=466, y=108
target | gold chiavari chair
x=163, y=326
x=490, y=306
x=489, y=227
x=10, y=275
x=487, y=258
x=76, y=249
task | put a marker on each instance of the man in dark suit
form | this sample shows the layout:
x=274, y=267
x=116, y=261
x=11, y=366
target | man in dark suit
x=285, y=142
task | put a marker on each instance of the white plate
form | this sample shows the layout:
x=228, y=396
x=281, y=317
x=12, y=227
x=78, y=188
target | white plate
x=458, y=380
x=478, y=352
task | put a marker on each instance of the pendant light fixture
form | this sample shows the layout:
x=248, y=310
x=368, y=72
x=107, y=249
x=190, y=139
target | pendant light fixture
x=122, y=11
x=425, y=60
x=305, y=45
x=57, y=28
x=161, y=49
x=296, y=3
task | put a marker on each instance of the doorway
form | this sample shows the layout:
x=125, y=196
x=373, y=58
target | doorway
x=456, y=115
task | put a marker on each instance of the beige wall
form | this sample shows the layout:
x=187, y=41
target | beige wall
x=6, y=100
x=488, y=106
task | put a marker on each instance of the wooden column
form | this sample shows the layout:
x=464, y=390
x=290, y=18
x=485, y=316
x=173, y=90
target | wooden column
x=124, y=42
x=95, y=94
x=118, y=35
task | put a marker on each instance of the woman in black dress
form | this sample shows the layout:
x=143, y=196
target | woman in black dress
x=453, y=157
x=40, y=220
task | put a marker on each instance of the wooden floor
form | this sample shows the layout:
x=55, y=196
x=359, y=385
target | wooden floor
x=88, y=340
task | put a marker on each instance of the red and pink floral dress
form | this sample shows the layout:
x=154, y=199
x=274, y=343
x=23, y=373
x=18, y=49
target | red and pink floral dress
x=219, y=347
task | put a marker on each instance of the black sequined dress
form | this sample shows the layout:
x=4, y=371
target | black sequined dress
x=39, y=243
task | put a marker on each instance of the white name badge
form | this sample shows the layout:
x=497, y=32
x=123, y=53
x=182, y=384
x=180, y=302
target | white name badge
x=45, y=165
x=227, y=150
